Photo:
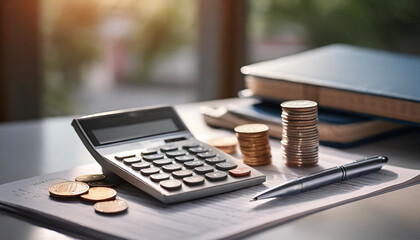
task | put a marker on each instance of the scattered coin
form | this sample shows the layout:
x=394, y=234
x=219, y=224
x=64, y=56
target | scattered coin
x=107, y=182
x=254, y=143
x=68, y=189
x=300, y=138
x=226, y=144
x=99, y=194
x=90, y=178
x=110, y=207
x=95, y=189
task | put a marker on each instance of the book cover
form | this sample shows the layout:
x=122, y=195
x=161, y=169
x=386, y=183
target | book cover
x=343, y=77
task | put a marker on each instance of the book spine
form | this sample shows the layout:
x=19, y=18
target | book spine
x=334, y=98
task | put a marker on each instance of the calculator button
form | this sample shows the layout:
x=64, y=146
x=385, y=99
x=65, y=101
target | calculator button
x=172, y=167
x=226, y=166
x=190, y=145
x=149, y=171
x=168, y=148
x=206, y=155
x=162, y=162
x=194, y=180
x=176, y=153
x=193, y=164
x=240, y=172
x=122, y=156
x=198, y=149
x=185, y=158
x=154, y=157
x=159, y=177
x=171, y=184
x=182, y=173
x=215, y=160
x=149, y=152
x=140, y=165
x=131, y=160
x=216, y=176
x=204, y=169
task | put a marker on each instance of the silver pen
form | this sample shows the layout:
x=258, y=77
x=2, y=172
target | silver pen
x=325, y=177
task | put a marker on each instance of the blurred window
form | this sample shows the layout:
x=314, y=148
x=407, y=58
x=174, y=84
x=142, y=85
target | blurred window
x=101, y=55
x=277, y=28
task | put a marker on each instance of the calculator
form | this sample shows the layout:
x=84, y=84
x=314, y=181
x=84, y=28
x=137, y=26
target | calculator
x=152, y=149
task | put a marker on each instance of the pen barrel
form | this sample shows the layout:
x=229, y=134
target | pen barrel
x=322, y=178
x=364, y=166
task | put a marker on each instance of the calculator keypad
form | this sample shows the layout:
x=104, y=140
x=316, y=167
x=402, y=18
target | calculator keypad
x=154, y=157
x=172, y=165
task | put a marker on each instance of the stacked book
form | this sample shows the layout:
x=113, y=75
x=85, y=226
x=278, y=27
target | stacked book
x=368, y=82
x=363, y=94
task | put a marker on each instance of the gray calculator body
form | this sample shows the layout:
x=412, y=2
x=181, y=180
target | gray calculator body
x=111, y=136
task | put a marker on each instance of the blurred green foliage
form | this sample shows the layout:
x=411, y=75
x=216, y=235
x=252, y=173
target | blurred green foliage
x=385, y=24
x=161, y=32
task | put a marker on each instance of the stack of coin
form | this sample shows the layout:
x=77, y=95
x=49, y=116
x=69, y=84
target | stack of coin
x=254, y=143
x=226, y=144
x=106, y=198
x=300, y=137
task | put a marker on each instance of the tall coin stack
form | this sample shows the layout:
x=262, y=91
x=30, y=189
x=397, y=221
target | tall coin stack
x=300, y=137
x=254, y=143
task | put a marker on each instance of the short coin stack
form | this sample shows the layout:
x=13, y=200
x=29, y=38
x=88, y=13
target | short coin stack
x=92, y=188
x=254, y=144
x=300, y=133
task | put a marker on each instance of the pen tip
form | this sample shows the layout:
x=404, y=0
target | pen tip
x=252, y=200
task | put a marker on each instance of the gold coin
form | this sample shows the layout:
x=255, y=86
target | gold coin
x=305, y=139
x=252, y=136
x=261, y=140
x=256, y=151
x=261, y=161
x=110, y=207
x=223, y=142
x=107, y=182
x=258, y=163
x=300, y=129
x=298, y=149
x=299, y=123
x=228, y=150
x=299, y=104
x=290, y=112
x=90, y=178
x=251, y=128
x=304, y=115
x=99, y=194
x=68, y=189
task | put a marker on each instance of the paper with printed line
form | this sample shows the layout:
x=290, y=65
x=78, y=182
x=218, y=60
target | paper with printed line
x=221, y=216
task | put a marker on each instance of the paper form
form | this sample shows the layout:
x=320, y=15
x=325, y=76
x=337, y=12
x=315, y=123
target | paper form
x=225, y=215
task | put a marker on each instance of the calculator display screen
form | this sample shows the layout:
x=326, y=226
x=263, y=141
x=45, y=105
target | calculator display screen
x=135, y=130
x=123, y=126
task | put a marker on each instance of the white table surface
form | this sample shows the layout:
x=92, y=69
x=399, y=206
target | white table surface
x=31, y=148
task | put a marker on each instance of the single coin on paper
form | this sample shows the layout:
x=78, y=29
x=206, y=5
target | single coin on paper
x=99, y=194
x=90, y=178
x=113, y=206
x=68, y=189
